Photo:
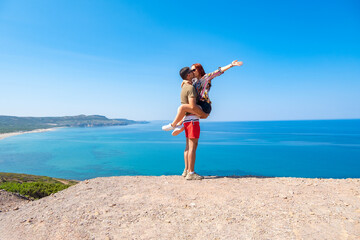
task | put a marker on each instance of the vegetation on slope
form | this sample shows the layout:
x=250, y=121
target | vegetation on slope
x=33, y=186
x=15, y=124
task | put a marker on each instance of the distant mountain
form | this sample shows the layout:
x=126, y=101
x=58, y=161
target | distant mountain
x=16, y=124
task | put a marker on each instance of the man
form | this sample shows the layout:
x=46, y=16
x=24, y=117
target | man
x=191, y=124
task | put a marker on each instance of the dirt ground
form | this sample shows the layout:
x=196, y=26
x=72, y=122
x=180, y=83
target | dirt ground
x=169, y=207
x=10, y=201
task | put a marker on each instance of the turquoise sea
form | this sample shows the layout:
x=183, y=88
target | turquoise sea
x=321, y=149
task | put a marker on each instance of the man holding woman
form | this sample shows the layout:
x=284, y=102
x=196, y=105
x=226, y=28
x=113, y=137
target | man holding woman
x=195, y=104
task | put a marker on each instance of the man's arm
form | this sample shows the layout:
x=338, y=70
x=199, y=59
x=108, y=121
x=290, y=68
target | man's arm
x=196, y=109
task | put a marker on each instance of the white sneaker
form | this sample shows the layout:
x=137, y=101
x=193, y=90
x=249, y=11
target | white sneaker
x=177, y=130
x=167, y=127
x=193, y=176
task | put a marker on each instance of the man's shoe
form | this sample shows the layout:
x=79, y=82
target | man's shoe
x=167, y=127
x=184, y=173
x=178, y=129
x=193, y=176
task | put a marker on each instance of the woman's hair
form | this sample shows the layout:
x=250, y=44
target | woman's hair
x=199, y=68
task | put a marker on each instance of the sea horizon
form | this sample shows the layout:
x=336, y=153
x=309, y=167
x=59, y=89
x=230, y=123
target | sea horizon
x=293, y=148
x=279, y=120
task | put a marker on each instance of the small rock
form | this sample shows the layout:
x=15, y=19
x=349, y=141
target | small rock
x=112, y=205
x=16, y=208
x=283, y=196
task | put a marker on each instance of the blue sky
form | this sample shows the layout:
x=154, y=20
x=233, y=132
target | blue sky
x=122, y=58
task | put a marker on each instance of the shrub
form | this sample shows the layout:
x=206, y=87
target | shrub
x=33, y=189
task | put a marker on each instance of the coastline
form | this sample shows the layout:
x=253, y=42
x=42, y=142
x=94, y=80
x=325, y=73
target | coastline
x=6, y=135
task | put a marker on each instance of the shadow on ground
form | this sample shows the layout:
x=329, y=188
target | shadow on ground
x=236, y=176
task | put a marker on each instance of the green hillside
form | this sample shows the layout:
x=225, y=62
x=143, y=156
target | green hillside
x=15, y=124
x=32, y=186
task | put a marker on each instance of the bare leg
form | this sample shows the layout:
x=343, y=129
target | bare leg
x=193, y=143
x=178, y=131
x=183, y=109
x=186, y=154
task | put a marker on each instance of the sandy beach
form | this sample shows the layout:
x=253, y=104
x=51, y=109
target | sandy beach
x=169, y=207
x=6, y=135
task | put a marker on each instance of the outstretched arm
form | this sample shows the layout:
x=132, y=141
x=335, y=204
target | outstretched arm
x=206, y=79
x=233, y=64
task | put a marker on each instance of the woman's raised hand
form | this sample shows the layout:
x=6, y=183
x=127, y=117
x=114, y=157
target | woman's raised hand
x=234, y=63
x=237, y=63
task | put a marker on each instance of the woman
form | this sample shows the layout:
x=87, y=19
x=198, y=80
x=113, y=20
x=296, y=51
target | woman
x=202, y=84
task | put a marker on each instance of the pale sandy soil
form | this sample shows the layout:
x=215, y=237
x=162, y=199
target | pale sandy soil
x=10, y=201
x=169, y=207
x=6, y=135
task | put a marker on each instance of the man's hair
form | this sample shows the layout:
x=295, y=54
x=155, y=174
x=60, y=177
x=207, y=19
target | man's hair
x=199, y=68
x=184, y=72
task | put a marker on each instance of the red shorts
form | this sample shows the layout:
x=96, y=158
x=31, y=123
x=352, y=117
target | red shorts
x=192, y=129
